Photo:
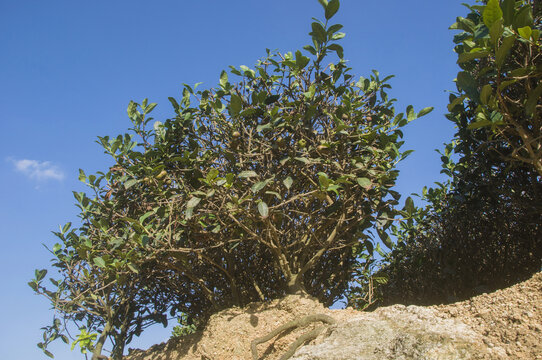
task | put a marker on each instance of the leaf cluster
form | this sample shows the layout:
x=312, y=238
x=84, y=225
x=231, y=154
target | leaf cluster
x=499, y=51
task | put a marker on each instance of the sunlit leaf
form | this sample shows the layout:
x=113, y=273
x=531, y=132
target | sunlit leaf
x=247, y=174
x=263, y=209
x=288, y=182
x=492, y=13
x=100, y=262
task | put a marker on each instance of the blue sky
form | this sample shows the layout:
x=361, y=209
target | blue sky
x=69, y=68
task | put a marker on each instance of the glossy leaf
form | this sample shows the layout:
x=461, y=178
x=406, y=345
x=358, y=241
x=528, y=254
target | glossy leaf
x=492, y=13
x=525, y=32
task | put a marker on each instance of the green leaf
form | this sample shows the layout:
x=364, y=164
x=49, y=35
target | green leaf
x=479, y=124
x=304, y=160
x=486, y=92
x=466, y=82
x=310, y=49
x=99, y=262
x=323, y=180
x=271, y=99
x=385, y=239
x=365, y=183
x=525, y=32
x=300, y=60
x=318, y=32
x=411, y=114
x=323, y=3
x=274, y=193
x=334, y=28
x=508, y=11
x=503, y=50
x=57, y=248
x=129, y=183
x=263, y=127
x=425, y=111
x=223, y=78
x=133, y=268
x=332, y=8
x=48, y=353
x=338, y=49
x=66, y=227
x=338, y=36
x=263, y=209
x=247, y=174
x=193, y=202
x=310, y=94
x=82, y=176
x=143, y=217
x=409, y=206
x=33, y=285
x=174, y=103
x=524, y=17
x=236, y=104
x=492, y=13
x=532, y=100
x=288, y=182
x=468, y=56
x=259, y=186
x=150, y=107
x=40, y=274
x=496, y=30
x=456, y=101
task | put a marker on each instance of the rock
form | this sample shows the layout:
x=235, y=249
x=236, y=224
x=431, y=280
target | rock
x=399, y=332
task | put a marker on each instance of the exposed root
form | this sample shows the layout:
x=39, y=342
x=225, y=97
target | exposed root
x=300, y=322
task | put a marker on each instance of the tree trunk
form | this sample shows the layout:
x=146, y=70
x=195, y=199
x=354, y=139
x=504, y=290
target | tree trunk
x=97, y=353
x=295, y=285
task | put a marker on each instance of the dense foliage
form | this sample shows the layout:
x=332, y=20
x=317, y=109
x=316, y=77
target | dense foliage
x=481, y=230
x=256, y=188
x=499, y=52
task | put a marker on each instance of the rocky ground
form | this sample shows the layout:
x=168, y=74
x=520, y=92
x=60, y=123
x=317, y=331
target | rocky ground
x=506, y=324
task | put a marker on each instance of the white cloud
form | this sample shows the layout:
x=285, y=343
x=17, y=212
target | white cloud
x=38, y=170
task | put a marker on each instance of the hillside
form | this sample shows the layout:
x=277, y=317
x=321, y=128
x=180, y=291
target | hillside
x=506, y=324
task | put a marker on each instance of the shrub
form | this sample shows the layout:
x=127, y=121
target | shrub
x=254, y=189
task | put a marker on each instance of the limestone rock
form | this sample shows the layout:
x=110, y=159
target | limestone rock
x=400, y=332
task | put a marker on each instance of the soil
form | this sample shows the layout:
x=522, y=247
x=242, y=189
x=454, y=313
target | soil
x=509, y=320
